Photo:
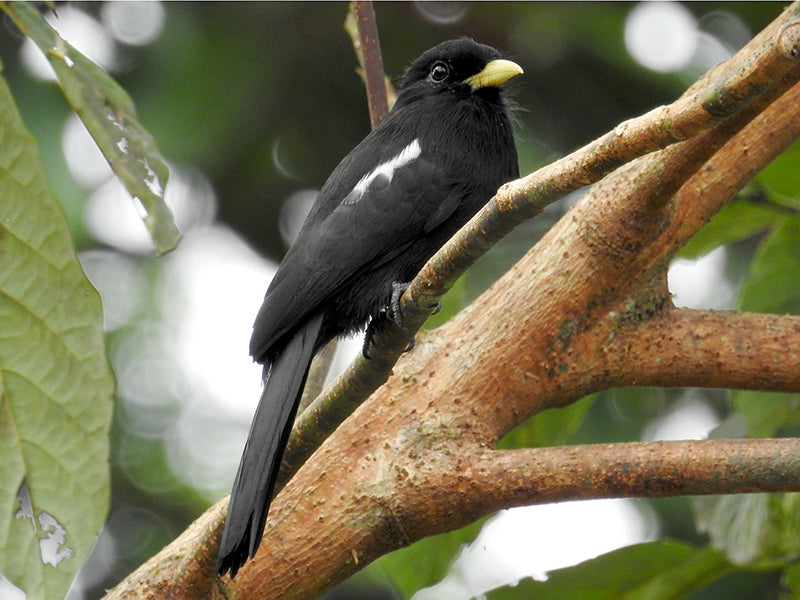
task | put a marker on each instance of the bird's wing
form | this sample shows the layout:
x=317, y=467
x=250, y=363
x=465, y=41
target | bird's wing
x=388, y=208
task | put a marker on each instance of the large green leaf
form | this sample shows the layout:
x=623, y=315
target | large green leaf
x=772, y=285
x=782, y=178
x=737, y=221
x=773, y=281
x=425, y=562
x=56, y=404
x=110, y=117
x=662, y=570
x=551, y=427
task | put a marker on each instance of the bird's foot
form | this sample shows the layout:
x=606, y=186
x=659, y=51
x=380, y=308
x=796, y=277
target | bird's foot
x=392, y=313
x=369, y=335
x=376, y=324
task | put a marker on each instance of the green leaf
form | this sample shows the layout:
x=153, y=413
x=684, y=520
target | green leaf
x=660, y=570
x=766, y=413
x=551, y=427
x=425, y=562
x=782, y=178
x=56, y=403
x=737, y=221
x=110, y=117
x=773, y=281
x=790, y=583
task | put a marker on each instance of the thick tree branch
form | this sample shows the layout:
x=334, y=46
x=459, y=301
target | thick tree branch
x=433, y=486
x=503, y=479
x=712, y=349
x=566, y=318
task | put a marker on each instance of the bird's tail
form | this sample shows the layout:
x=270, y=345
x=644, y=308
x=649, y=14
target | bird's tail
x=263, y=452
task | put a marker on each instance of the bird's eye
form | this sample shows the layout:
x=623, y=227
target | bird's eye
x=439, y=72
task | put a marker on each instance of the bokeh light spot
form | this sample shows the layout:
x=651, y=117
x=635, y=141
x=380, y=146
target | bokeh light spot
x=134, y=529
x=661, y=35
x=134, y=23
x=689, y=419
x=441, y=13
x=214, y=285
x=701, y=283
x=120, y=281
x=293, y=212
x=101, y=561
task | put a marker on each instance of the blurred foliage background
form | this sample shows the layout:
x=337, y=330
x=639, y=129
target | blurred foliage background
x=253, y=104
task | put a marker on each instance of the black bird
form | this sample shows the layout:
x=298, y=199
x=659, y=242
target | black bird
x=437, y=157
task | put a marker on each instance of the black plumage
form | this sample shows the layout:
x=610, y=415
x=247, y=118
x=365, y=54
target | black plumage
x=436, y=158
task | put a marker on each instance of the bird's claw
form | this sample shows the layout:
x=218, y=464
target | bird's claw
x=371, y=332
x=369, y=335
x=394, y=311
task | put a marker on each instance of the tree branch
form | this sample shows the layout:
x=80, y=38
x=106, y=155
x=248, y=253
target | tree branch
x=501, y=479
x=363, y=31
x=504, y=479
x=361, y=27
x=712, y=349
x=433, y=486
x=564, y=321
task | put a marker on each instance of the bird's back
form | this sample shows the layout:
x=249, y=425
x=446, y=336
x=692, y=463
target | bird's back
x=346, y=256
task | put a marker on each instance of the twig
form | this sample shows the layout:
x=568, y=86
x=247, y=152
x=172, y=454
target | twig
x=317, y=375
x=360, y=25
x=368, y=50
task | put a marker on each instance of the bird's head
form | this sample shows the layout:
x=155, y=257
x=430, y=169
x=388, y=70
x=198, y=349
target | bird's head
x=461, y=66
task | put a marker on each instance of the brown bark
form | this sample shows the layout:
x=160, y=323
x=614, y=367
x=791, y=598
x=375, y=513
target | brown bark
x=368, y=51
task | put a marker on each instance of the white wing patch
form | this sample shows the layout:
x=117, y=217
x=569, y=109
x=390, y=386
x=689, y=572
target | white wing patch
x=385, y=171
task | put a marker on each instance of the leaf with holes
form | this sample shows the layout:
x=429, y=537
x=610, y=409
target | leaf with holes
x=55, y=383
